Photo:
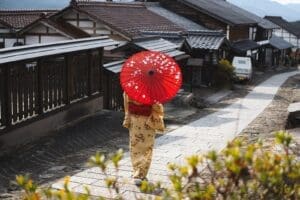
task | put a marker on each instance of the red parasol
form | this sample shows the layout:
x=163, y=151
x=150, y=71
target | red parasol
x=150, y=77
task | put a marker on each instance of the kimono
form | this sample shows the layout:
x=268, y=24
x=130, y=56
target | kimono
x=142, y=131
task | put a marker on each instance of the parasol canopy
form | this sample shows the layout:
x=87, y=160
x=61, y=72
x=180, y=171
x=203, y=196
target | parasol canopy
x=150, y=77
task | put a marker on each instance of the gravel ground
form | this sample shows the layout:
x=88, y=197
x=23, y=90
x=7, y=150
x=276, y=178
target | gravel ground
x=67, y=152
x=275, y=116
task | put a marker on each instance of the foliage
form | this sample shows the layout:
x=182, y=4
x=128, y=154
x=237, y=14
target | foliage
x=224, y=74
x=240, y=171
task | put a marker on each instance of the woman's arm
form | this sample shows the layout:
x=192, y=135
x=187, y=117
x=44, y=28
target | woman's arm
x=126, y=122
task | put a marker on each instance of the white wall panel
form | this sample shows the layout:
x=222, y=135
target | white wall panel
x=31, y=39
x=39, y=29
x=86, y=24
x=47, y=39
x=9, y=42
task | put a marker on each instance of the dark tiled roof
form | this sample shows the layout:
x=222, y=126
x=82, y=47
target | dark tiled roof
x=177, y=38
x=175, y=18
x=244, y=45
x=266, y=24
x=114, y=67
x=127, y=18
x=296, y=26
x=276, y=42
x=160, y=45
x=18, y=19
x=155, y=44
x=280, y=43
x=221, y=10
x=26, y=52
x=284, y=24
x=203, y=41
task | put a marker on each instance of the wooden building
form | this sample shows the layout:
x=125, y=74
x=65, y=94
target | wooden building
x=46, y=30
x=123, y=22
x=242, y=28
x=12, y=21
x=45, y=86
x=113, y=69
x=119, y=21
x=205, y=46
x=286, y=30
x=215, y=15
x=273, y=51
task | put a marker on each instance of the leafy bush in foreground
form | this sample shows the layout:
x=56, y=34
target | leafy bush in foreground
x=239, y=172
x=224, y=74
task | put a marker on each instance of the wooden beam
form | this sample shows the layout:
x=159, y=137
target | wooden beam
x=101, y=71
x=89, y=73
x=39, y=88
x=77, y=19
x=68, y=79
x=6, y=113
x=43, y=34
x=94, y=27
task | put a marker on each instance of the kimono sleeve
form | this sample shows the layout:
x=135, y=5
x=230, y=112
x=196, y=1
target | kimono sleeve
x=156, y=119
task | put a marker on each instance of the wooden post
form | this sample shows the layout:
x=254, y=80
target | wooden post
x=6, y=113
x=68, y=79
x=89, y=73
x=2, y=114
x=101, y=74
x=39, y=89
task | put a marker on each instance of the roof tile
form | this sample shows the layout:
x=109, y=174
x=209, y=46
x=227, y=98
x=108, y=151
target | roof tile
x=128, y=18
x=18, y=19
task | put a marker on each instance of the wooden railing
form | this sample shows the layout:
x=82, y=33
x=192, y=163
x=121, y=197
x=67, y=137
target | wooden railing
x=36, y=87
x=113, y=93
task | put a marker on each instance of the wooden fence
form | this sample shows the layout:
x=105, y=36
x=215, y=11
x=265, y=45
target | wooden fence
x=33, y=88
x=113, y=93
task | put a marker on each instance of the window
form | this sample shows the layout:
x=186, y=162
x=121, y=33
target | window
x=252, y=33
x=2, y=45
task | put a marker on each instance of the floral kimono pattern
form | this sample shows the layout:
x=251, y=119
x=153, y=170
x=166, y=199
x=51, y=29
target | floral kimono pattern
x=142, y=130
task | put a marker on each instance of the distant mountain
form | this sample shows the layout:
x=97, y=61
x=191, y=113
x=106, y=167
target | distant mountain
x=290, y=12
x=267, y=7
x=295, y=7
x=33, y=4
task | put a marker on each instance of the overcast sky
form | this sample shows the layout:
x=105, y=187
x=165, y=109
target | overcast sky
x=287, y=1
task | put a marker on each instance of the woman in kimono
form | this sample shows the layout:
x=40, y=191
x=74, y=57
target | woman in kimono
x=143, y=122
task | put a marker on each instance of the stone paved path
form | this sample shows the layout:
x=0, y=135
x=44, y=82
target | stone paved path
x=200, y=136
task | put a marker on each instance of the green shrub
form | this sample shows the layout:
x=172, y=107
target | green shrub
x=224, y=74
x=239, y=172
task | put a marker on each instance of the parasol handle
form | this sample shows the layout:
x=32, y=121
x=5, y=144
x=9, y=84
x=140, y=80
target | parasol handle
x=151, y=72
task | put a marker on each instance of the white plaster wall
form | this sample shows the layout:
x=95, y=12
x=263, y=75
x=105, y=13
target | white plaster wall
x=103, y=32
x=39, y=29
x=9, y=42
x=91, y=32
x=287, y=37
x=86, y=24
x=278, y=32
x=294, y=41
x=47, y=39
x=31, y=39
